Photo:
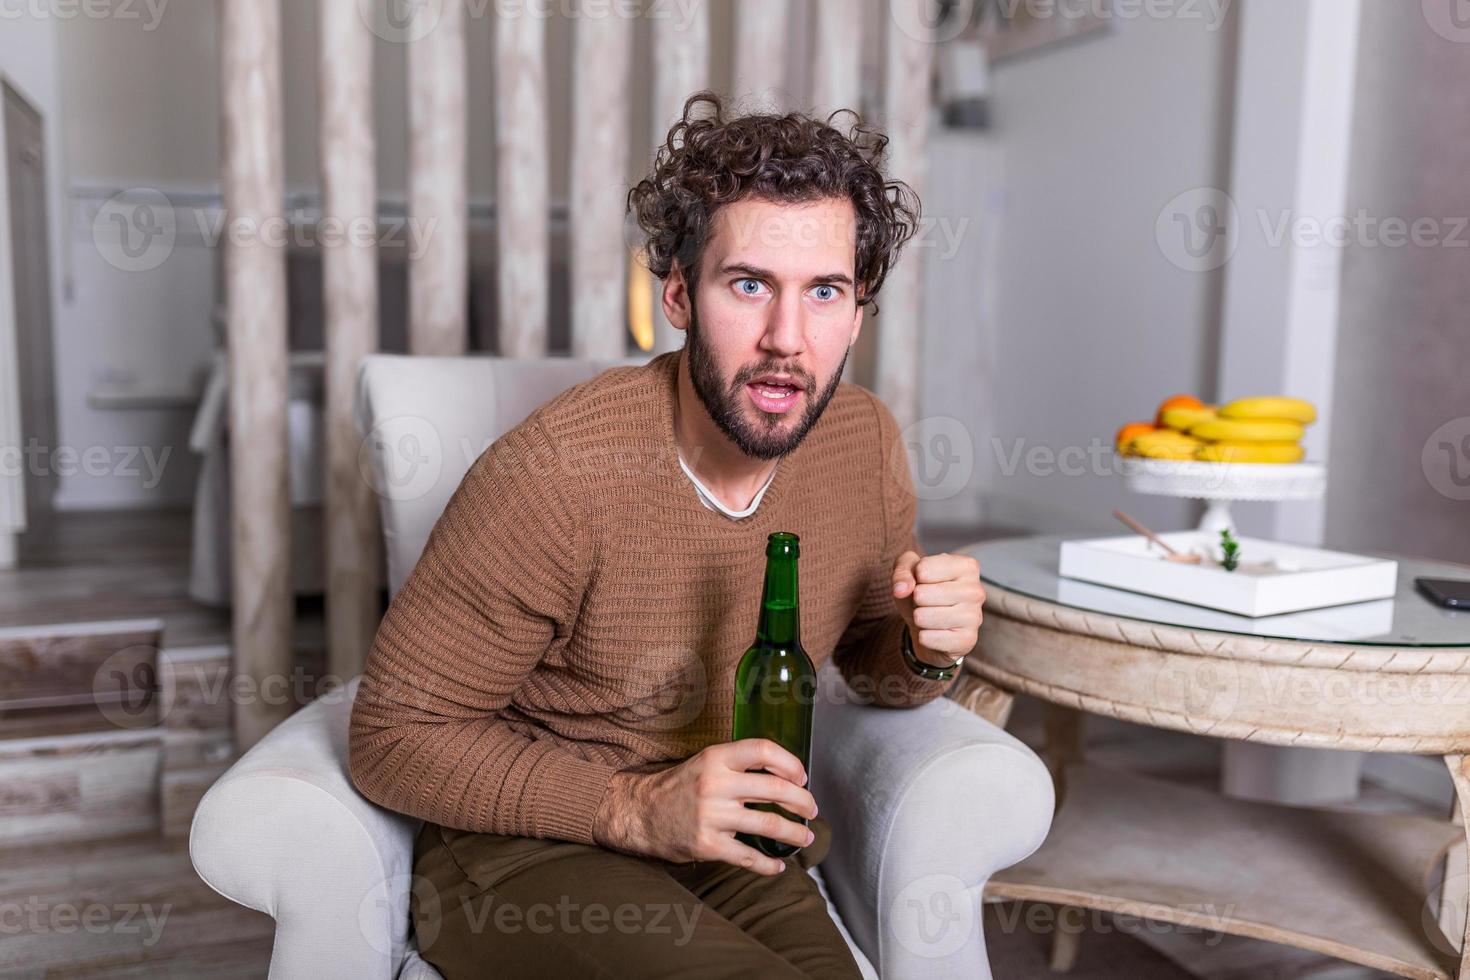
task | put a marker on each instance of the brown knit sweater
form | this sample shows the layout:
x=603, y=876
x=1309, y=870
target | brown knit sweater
x=578, y=611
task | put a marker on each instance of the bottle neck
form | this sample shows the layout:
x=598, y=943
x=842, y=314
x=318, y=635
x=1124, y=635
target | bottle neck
x=780, y=619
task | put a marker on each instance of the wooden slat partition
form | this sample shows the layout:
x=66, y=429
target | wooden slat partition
x=350, y=270
x=838, y=59
x=522, y=192
x=761, y=30
x=681, y=67
x=600, y=132
x=438, y=281
x=909, y=61
x=255, y=275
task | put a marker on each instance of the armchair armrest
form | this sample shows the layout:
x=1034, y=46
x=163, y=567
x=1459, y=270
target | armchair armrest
x=284, y=832
x=926, y=804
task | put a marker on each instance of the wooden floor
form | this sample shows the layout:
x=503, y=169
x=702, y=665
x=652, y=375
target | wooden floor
x=123, y=908
x=110, y=565
x=133, y=907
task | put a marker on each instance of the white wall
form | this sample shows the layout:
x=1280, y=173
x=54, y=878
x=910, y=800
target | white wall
x=28, y=62
x=1402, y=393
x=1095, y=325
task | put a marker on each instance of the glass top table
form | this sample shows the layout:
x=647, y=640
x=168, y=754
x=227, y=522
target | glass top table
x=1029, y=566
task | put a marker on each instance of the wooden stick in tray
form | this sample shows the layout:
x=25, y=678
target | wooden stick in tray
x=1169, y=553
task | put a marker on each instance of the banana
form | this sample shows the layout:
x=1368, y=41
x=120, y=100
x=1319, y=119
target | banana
x=1270, y=407
x=1248, y=430
x=1251, y=452
x=1184, y=416
x=1166, y=444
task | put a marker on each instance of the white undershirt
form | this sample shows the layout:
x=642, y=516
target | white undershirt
x=713, y=502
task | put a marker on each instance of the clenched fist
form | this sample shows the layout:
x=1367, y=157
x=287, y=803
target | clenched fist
x=939, y=597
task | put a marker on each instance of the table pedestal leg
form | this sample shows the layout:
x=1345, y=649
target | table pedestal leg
x=1457, y=879
x=1065, y=739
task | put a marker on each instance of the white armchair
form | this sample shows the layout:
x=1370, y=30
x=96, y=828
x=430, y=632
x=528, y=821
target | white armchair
x=925, y=804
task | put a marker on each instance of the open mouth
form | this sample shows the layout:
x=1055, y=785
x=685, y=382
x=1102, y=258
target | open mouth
x=774, y=393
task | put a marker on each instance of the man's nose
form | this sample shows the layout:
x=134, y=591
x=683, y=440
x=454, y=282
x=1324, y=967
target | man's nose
x=785, y=333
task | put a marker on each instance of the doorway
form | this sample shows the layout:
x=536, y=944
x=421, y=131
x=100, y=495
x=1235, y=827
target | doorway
x=30, y=249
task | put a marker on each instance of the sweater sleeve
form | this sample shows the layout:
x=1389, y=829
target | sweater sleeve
x=497, y=585
x=870, y=652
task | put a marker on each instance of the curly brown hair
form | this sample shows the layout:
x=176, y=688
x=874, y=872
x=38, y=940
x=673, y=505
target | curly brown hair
x=709, y=161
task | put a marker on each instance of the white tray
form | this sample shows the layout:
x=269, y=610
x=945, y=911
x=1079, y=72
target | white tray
x=1295, y=578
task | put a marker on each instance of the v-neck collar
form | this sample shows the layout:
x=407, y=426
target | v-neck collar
x=774, y=491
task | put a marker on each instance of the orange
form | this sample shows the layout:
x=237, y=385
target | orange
x=1129, y=432
x=1176, y=401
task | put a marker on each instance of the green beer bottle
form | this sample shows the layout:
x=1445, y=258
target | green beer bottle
x=775, y=684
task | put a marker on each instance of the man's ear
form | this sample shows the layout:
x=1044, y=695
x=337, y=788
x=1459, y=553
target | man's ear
x=675, y=297
x=857, y=326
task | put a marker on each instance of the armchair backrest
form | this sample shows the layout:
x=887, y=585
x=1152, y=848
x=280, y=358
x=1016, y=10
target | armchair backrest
x=424, y=420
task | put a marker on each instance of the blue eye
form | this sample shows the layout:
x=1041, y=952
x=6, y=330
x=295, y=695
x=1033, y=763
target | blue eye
x=748, y=292
x=830, y=294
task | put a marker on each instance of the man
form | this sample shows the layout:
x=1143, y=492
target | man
x=552, y=688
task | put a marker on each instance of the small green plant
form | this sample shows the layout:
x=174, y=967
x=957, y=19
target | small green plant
x=1230, y=548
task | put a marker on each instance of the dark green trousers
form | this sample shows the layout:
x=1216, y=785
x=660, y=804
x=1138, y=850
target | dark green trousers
x=488, y=905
